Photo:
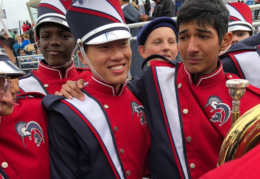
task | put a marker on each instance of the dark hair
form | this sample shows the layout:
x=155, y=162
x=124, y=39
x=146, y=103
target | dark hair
x=125, y=0
x=212, y=12
x=8, y=45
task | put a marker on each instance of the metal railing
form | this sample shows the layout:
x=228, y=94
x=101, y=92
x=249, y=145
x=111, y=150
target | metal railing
x=28, y=66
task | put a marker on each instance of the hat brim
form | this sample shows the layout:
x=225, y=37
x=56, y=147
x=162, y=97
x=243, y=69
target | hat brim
x=50, y=18
x=240, y=25
x=9, y=69
x=109, y=37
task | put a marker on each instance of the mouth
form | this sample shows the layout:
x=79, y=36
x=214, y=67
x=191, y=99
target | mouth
x=54, y=52
x=117, y=68
x=194, y=60
x=167, y=56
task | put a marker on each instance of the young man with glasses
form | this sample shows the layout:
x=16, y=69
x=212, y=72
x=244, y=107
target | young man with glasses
x=24, y=148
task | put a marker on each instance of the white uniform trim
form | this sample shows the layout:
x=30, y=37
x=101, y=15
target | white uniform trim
x=94, y=114
x=31, y=84
x=166, y=80
x=250, y=65
x=234, y=12
x=51, y=69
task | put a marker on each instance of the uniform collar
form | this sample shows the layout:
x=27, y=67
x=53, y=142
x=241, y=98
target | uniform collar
x=59, y=73
x=206, y=80
x=105, y=88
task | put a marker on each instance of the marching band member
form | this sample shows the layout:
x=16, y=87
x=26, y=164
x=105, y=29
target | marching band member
x=242, y=58
x=24, y=149
x=56, y=45
x=106, y=135
x=187, y=104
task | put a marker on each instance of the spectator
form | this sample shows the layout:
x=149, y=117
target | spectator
x=249, y=3
x=2, y=32
x=178, y=4
x=10, y=39
x=16, y=37
x=131, y=16
x=13, y=36
x=29, y=26
x=22, y=54
x=256, y=11
x=162, y=8
x=24, y=27
x=31, y=35
x=26, y=42
x=147, y=7
x=17, y=45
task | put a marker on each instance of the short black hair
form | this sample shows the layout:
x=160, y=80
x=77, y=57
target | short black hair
x=212, y=12
x=125, y=0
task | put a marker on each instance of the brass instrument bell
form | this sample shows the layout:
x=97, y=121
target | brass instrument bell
x=245, y=130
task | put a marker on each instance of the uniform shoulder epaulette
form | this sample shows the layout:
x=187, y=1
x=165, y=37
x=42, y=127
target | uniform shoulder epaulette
x=26, y=76
x=82, y=68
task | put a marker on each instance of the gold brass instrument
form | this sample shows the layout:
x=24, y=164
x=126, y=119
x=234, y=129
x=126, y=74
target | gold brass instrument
x=245, y=130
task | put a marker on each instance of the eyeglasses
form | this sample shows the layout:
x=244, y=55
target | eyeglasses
x=4, y=84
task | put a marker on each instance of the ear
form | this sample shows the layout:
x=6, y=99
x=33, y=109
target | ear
x=141, y=50
x=81, y=58
x=226, y=42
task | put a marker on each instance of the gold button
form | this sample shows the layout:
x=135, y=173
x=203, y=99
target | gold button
x=115, y=128
x=128, y=173
x=188, y=139
x=46, y=85
x=230, y=76
x=192, y=165
x=4, y=164
x=185, y=111
x=122, y=151
x=179, y=85
x=106, y=106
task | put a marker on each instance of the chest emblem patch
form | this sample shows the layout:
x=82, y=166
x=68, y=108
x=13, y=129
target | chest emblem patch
x=28, y=130
x=221, y=111
x=136, y=108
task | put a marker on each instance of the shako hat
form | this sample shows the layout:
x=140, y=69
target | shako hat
x=7, y=67
x=97, y=21
x=52, y=11
x=240, y=17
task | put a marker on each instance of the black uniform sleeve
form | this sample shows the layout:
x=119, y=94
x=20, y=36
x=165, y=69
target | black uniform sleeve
x=63, y=148
x=169, y=9
x=229, y=66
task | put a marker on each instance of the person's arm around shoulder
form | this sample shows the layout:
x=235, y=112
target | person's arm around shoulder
x=25, y=42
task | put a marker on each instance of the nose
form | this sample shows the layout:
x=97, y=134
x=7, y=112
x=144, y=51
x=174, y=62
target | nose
x=166, y=46
x=117, y=54
x=6, y=98
x=234, y=39
x=192, y=46
x=55, y=42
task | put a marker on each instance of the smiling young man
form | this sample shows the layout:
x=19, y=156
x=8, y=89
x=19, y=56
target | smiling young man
x=106, y=135
x=56, y=45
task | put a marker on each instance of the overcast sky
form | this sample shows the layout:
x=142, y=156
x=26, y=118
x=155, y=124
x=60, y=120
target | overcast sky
x=15, y=10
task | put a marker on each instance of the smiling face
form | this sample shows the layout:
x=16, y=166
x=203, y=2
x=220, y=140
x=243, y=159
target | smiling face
x=56, y=44
x=239, y=35
x=111, y=60
x=199, y=47
x=7, y=101
x=161, y=41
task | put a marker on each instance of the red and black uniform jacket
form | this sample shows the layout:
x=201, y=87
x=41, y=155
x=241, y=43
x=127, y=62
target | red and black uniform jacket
x=106, y=136
x=243, y=59
x=188, y=121
x=24, y=145
x=48, y=80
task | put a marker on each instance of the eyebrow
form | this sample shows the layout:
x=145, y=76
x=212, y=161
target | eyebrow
x=204, y=31
x=183, y=31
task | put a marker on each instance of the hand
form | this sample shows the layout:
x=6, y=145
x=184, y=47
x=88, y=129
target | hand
x=72, y=89
x=143, y=18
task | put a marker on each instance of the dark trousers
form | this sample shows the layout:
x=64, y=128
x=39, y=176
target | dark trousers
x=147, y=10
